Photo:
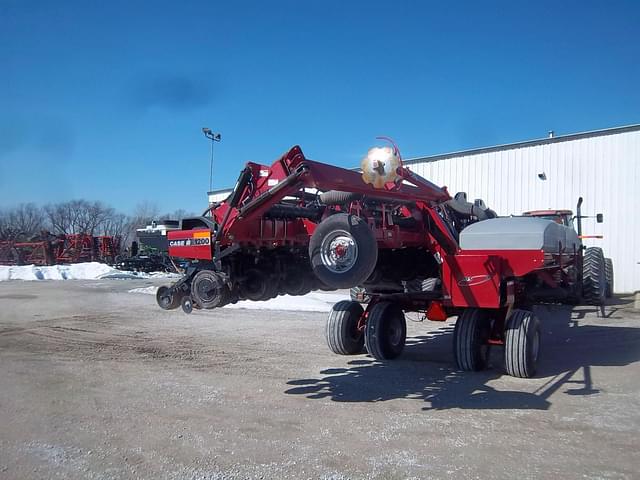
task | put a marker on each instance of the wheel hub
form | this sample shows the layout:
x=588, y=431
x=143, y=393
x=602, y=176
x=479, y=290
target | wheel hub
x=339, y=251
x=207, y=289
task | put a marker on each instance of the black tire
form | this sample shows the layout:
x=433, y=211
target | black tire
x=386, y=331
x=187, y=304
x=593, y=276
x=522, y=344
x=307, y=281
x=357, y=258
x=256, y=286
x=167, y=298
x=608, y=275
x=470, y=340
x=336, y=197
x=209, y=290
x=318, y=285
x=296, y=282
x=341, y=331
x=273, y=288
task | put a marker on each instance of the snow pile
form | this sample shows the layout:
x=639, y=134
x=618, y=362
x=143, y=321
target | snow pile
x=311, y=302
x=148, y=290
x=76, y=271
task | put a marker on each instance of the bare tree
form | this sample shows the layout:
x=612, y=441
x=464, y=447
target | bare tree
x=117, y=225
x=78, y=216
x=144, y=214
x=90, y=217
x=24, y=221
x=60, y=217
x=5, y=227
x=177, y=214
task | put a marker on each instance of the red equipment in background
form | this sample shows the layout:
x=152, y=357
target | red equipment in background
x=25, y=253
x=48, y=249
x=75, y=248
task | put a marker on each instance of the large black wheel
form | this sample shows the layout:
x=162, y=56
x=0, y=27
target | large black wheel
x=594, y=282
x=608, y=275
x=209, y=290
x=470, y=339
x=343, y=251
x=386, y=331
x=343, y=336
x=522, y=344
x=167, y=298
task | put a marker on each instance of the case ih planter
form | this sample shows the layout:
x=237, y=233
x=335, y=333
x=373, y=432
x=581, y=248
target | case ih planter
x=407, y=245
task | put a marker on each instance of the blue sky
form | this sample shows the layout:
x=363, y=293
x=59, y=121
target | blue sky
x=106, y=100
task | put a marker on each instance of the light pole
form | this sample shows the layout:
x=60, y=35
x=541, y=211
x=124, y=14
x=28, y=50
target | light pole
x=214, y=137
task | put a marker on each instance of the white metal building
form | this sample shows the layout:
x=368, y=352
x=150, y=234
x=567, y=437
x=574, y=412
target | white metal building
x=602, y=166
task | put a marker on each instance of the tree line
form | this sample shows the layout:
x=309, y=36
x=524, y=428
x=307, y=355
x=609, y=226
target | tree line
x=28, y=221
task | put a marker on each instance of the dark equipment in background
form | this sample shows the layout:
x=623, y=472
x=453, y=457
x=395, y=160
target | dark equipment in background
x=148, y=253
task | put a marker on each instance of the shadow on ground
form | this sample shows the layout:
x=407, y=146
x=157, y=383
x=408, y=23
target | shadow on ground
x=426, y=368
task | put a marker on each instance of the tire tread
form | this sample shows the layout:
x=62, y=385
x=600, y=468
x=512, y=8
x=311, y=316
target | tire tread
x=374, y=338
x=338, y=327
x=608, y=275
x=593, y=276
x=521, y=326
x=466, y=340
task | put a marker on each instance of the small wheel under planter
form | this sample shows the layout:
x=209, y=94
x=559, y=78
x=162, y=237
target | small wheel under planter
x=470, y=339
x=187, y=304
x=343, y=336
x=297, y=282
x=343, y=251
x=386, y=331
x=167, y=298
x=273, y=289
x=522, y=341
x=209, y=290
x=258, y=286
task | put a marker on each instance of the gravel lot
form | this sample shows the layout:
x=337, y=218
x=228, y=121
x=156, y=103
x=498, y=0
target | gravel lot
x=96, y=382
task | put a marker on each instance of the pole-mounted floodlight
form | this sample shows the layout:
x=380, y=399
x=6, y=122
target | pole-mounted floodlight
x=214, y=137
